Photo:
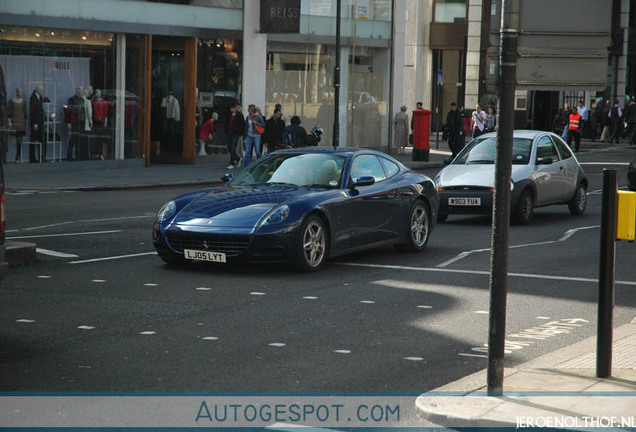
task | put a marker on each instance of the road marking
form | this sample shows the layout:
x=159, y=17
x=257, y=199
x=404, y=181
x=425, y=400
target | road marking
x=64, y=235
x=481, y=272
x=543, y=318
x=569, y=233
x=44, y=277
x=257, y=293
x=277, y=344
x=211, y=338
x=342, y=351
x=55, y=253
x=203, y=289
x=146, y=333
x=310, y=298
x=473, y=355
x=58, y=224
x=425, y=307
x=415, y=359
x=86, y=328
x=482, y=312
x=367, y=302
x=98, y=280
x=151, y=284
x=112, y=258
x=25, y=321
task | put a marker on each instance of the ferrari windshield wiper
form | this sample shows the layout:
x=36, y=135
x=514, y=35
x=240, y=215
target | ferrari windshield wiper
x=277, y=184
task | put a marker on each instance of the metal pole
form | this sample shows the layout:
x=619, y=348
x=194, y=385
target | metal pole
x=336, y=81
x=501, y=199
x=606, y=274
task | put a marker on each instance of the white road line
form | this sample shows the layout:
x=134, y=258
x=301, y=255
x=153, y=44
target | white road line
x=483, y=273
x=46, y=226
x=64, y=235
x=112, y=258
x=55, y=254
x=210, y=338
x=85, y=221
x=473, y=355
x=569, y=233
x=277, y=344
x=342, y=351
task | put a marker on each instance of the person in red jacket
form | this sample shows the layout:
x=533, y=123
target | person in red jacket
x=574, y=129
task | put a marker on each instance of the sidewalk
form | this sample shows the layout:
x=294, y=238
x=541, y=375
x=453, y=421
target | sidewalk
x=557, y=390
x=132, y=173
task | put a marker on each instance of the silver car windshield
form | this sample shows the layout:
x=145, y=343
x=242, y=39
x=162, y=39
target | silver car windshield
x=482, y=151
x=294, y=169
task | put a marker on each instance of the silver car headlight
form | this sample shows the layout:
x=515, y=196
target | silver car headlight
x=167, y=211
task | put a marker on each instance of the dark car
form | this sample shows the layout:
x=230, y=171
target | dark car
x=631, y=176
x=301, y=206
x=545, y=172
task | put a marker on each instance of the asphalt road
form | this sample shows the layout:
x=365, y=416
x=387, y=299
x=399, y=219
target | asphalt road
x=100, y=312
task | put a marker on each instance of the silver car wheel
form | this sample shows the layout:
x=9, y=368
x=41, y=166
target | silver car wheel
x=314, y=243
x=419, y=226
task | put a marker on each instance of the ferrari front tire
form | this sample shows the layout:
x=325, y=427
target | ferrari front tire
x=312, y=244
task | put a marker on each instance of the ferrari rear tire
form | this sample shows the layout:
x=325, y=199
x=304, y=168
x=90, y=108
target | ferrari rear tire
x=312, y=244
x=578, y=203
x=419, y=228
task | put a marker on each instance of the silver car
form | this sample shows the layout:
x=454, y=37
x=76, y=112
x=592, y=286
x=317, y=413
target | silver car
x=544, y=172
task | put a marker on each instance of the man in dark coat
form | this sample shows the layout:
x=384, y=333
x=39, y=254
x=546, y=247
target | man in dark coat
x=273, y=131
x=236, y=130
x=454, y=125
x=36, y=114
x=630, y=119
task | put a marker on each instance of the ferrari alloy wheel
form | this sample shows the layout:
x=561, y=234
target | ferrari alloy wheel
x=419, y=227
x=312, y=245
x=524, y=209
x=578, y=203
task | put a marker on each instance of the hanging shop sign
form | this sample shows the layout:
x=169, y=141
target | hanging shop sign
x=280, y=16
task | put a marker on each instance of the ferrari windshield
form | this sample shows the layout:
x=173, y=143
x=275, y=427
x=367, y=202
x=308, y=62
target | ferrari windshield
x=482, y=151
x=297, y=169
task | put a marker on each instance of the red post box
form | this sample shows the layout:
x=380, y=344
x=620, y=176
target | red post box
x=421, y=135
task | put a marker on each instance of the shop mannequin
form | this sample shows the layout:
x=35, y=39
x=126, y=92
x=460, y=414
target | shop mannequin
x=75, y=117
x=85, y=137
x=18, y=121
x=100, y=122
x=36, y=114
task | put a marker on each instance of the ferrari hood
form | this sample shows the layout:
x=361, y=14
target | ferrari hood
x=234, y=207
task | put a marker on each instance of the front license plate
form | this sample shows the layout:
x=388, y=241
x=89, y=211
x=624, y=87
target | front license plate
x=464, y=201
x=204, y=255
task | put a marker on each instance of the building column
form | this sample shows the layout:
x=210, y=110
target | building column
x=399, y=64
x=473, y=54
x=254, y=58
x=120, y=99
x=621, y=70
x=417, y=55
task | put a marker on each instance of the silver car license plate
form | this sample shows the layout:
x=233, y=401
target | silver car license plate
x=204, y=255
x=464, y=201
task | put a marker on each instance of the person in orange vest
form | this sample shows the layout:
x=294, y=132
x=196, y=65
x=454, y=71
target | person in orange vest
x=574, y=129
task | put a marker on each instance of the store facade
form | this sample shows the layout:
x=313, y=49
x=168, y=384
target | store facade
x=114, y=77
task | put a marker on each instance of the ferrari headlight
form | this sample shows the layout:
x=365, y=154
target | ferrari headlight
x=279, y=214
x=167, y=211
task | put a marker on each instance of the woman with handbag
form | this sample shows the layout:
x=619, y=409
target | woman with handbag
x=255, y=126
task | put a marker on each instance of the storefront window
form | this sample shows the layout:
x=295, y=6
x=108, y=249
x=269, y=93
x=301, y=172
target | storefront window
x=450, y=10
x=218, y=82
x=379, y=10
x=56, y=84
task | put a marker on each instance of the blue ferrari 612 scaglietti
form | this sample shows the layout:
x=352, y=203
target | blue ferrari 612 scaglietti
x=302, y=206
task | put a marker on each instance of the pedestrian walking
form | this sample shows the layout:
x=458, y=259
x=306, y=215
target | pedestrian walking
x=574, y=129
x=565, y=117
x=454, y=125
x=583, y=111
x=254, y=127
x=401, y=126
x=616, y=122
x=273, y=135
x=630, y=119
x=607, y=122
x=478, y=120
x=491, y=120
x=236, y=129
